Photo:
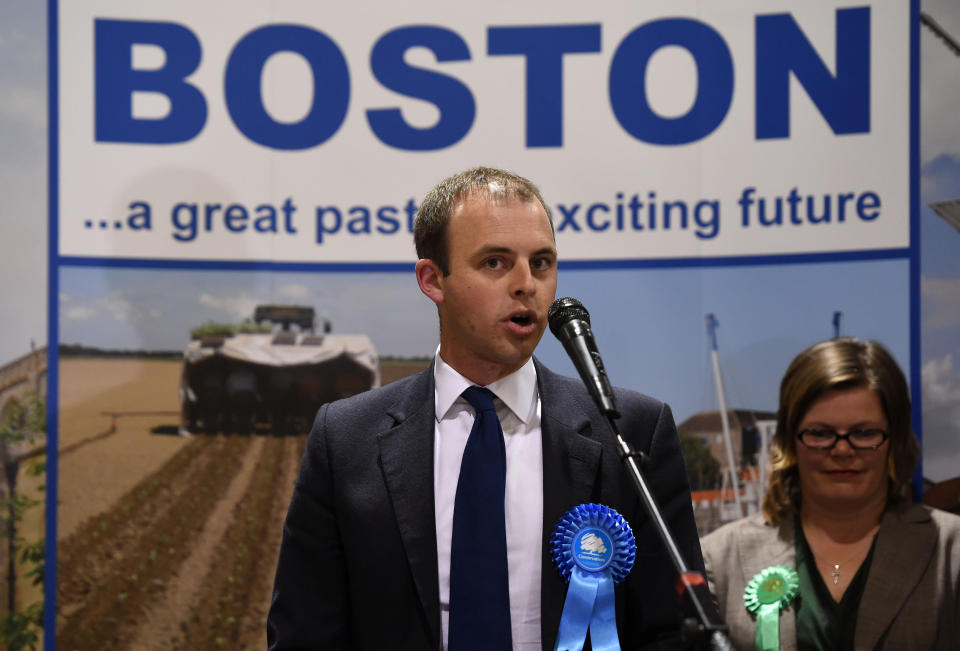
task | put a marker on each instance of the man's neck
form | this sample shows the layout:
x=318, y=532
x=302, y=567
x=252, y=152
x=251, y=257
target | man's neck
x=481, y=373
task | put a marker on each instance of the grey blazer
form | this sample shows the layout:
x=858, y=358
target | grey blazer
x=358, y=561
x=912, y=596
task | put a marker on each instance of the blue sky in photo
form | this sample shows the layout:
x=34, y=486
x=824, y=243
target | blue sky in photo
x=650, y=323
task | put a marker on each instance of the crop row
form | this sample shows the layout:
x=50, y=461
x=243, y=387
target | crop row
x=115, y=565
x=234, y=587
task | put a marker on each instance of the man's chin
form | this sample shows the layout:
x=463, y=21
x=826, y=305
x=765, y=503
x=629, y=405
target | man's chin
x=522, y=349
x=515, y=357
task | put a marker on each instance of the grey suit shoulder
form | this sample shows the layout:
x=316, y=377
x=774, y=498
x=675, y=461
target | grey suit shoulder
x=912, y=596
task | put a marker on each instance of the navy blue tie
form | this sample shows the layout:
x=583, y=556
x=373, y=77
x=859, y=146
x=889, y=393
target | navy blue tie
x=479, y=588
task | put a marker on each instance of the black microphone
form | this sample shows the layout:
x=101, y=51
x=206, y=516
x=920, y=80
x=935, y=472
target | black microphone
x=570, y=323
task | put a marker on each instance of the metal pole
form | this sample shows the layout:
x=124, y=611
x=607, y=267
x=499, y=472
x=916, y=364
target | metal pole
x=940, y=32
x=703, y=620
x=712, y=325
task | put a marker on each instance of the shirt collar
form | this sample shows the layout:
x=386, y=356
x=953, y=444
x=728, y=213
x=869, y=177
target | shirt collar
x=518, y=391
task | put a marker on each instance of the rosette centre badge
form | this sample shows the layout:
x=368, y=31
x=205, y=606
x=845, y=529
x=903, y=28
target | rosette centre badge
x=593, y=548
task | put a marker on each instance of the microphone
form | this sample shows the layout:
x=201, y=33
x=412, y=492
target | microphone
x=570, y=323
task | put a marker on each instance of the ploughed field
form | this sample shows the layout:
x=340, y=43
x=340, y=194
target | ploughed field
x=164, y=542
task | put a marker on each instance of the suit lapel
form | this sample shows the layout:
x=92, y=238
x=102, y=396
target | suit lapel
x=571, y=461
x=406, y=460
x=766, y=547
x=905, y=546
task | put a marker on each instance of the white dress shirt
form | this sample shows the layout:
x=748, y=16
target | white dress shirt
x=518, y=406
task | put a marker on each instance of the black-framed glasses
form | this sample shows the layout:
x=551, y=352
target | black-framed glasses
x=859, y=439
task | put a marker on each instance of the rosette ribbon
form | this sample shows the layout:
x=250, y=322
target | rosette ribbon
x=593, y=548
x=769, y=592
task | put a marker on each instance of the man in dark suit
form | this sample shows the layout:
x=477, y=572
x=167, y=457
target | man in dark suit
x=365, y=561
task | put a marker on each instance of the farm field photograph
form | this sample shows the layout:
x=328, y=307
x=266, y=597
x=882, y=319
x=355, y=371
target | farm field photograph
x=166, y=542
x=171, y=495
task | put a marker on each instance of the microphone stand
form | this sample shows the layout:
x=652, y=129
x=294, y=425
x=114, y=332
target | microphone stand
x=570, y=322
x=703, y=621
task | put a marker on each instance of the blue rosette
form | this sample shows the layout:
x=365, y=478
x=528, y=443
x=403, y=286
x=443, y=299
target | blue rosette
x=593, y=548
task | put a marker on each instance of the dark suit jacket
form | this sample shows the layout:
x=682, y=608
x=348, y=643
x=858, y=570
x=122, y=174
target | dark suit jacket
x=358, y=562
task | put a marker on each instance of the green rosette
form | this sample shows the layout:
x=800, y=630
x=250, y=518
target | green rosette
x=766, y=595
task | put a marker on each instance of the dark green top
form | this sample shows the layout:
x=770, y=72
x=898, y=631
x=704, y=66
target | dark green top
x=822, y=623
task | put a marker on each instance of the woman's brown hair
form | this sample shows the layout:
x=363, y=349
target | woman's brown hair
x=837, y=364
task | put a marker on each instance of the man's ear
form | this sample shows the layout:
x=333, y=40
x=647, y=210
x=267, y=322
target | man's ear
x=430, y=279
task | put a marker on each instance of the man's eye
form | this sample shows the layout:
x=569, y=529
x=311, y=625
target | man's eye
x=493, y=263
x=542, y=263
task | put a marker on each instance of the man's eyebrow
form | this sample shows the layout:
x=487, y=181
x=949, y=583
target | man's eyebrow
x=547, y=250
x=494, y=249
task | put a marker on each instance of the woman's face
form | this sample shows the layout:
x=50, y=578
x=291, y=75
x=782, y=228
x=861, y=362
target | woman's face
x=844, y=477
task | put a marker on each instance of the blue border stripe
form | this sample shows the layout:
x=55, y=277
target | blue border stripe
x=233, y=265
x=916, y=362
x=740, y=261
x=406, y=267
x=53, y=334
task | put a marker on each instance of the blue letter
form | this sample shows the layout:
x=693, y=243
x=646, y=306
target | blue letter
x=868, y=206
x=544, y=47
x=628, y=92
x=569, y=217
x=843, y=100
x=321, y=222
x=331, y=86
x=115, y=81
x=451, y=97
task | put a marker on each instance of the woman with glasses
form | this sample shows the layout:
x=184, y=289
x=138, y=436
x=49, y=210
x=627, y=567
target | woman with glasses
x=841, y=557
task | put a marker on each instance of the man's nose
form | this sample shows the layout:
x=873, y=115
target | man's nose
x=522, y=281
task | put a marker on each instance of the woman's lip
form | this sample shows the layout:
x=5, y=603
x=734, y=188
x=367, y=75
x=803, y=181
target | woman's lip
x=842, y=473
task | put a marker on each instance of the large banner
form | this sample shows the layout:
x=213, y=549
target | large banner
x=296, y=132
x=221, y=166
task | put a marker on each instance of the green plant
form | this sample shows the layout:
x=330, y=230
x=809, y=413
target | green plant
x=229, y=329
x=703, y=470
x=23, y=423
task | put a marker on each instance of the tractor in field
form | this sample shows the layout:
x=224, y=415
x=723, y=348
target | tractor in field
x=271, y=372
